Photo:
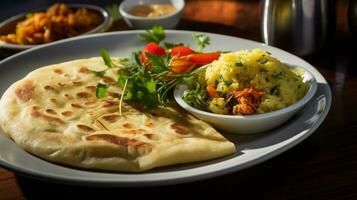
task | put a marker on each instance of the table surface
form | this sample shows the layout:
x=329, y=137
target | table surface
x=324, y=166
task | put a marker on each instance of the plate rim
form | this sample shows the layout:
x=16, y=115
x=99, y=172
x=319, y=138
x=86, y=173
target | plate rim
x=167, y=181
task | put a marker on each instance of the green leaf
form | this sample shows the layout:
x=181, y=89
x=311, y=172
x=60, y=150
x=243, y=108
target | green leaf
x=169, y=45
x=101, y=90
x=151, y=86
x=155, y=34
x=128, y=95
x=99, y=73
x=106, y=58
x=201, y=40
x=158, y=63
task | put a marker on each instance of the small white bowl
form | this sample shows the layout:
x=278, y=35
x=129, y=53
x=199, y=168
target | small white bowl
x=168, y=22
x=252, y=123
x=9, y=25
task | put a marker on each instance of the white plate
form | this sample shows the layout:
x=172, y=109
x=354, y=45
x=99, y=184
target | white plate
x=251, y=149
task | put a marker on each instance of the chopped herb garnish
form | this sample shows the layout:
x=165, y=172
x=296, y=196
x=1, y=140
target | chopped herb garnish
x=232, y=102
x=239, y=64
x=155, y=34
x=201, y=40
x=262, y=61
x=278, y=75
x=275, y=91
x=101, y=90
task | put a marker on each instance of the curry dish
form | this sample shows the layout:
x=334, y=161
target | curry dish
x=58, y=22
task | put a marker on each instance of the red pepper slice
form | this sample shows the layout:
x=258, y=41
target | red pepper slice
x=153, y=49
x=203, y=58
x=180, y=65
x=179, y=51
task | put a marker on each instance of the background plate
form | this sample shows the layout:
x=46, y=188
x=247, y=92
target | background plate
x=251, y=149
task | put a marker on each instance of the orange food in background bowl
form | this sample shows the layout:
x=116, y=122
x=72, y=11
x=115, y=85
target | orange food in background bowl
x=58, y=22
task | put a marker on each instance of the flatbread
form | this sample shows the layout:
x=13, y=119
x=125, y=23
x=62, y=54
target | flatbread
x=53, y=113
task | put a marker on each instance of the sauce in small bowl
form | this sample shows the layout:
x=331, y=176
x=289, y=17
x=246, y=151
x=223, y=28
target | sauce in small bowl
x=153, y=10
x=144, y=14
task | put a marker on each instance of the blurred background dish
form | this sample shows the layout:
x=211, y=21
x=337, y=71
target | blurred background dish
x=143, y=14
x=69, y=26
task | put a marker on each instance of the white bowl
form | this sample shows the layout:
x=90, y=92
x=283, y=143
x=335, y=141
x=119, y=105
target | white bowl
x=168, y=22
x=252, y=123
x=9, y=25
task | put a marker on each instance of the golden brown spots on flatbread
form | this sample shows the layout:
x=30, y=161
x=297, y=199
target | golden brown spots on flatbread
x=36, y=114
x=76, y=105
x=83, y=95
x=107, y=80
x=48, y=88
x=111, y=118
x=67, y=113
x=132, y=144
x=85, y=128
x=110, y=103
x=77, y=83
x=179, y=129
x=91, y=88
x=127, y=125
x=149, y=124
x=152, y=136
x=53, y=100
x=25, y=92
x=90, y=101
x=67, y=96
x=57, y=71
x=137, y=131
x=114, y=139
x=51, y=111
x=84, y=70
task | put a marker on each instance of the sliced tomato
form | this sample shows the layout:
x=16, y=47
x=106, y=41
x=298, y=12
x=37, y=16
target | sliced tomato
x=151, y=48
x=180, y=65
x=203, y=58
x=181, y=51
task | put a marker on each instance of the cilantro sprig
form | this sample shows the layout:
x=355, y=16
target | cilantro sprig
x=201, y=40
x=155, y=34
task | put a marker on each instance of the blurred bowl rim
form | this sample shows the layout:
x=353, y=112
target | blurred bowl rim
x=106, y=22
x=140, y=2
x=297, y=105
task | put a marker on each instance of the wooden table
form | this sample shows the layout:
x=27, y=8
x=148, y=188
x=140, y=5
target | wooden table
x=324, y=166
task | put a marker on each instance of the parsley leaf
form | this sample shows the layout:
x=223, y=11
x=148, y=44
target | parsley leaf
x=158, y=63
x=101, y=90
x=201, y=40
x=155, y=34
x=106, y=58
